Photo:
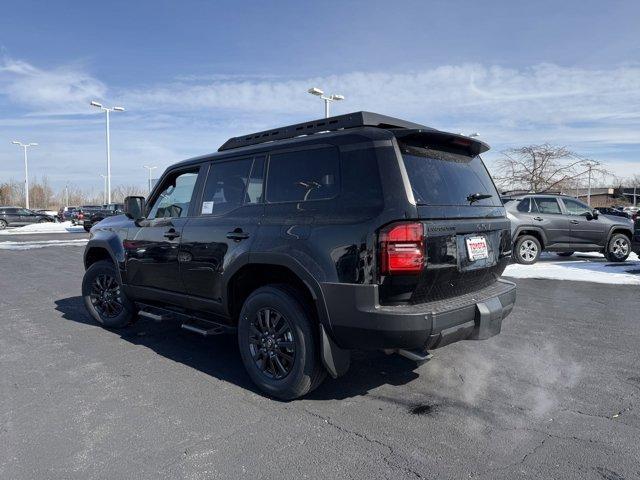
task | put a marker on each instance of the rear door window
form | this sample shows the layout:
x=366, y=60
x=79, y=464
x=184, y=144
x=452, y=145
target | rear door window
x=547, y=205
x=225, y=189
x=303, y=175
x=441, y=178
x=524, y=205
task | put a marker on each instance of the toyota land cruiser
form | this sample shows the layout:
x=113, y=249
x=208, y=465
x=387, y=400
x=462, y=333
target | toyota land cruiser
x=359, y=231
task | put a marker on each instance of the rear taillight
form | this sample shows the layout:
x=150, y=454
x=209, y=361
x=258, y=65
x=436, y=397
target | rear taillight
x=402, y=249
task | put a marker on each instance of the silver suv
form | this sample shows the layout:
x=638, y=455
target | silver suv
x=562, y=224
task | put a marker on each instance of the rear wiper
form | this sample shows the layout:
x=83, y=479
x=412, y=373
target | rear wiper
x=474, y=197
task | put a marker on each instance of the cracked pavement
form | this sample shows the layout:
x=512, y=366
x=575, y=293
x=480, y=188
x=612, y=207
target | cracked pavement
x=554, y=396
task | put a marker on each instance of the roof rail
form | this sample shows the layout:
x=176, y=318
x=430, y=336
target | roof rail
x=350, y=120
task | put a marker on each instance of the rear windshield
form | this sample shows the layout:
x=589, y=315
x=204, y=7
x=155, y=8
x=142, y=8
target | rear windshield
x=441, y=178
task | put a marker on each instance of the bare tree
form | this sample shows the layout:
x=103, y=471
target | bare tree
x=542, y=168
x=122, y=191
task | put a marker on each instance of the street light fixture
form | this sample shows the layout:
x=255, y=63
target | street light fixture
x=108, y=110
x=26, y=169
x=149, y=168
x=327, y=98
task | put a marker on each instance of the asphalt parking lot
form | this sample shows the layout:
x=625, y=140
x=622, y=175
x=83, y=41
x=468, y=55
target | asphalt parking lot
x=554, y=396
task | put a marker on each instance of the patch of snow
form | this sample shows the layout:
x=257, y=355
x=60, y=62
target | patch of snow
x=580, y=267
x=42, y=244
x=64, y=227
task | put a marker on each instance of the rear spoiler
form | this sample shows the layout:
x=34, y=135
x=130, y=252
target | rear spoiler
x=437, y=139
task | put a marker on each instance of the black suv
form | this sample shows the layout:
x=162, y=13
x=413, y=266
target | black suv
x=91, y=217
x=562, y=224
x=16, y=217
x=359, y=231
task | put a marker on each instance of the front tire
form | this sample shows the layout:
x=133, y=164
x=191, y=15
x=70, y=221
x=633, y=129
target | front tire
x=618, y=248
x=3, y=224
x=87, y=228
x=527, y=250
x=103, y=296
x=278, y=343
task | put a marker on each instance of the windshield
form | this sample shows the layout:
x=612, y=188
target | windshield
x=441, y=178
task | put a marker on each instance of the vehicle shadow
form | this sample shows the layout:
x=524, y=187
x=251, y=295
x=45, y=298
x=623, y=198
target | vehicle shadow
x=218, y=356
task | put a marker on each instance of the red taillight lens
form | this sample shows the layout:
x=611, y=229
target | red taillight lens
x=402, y=249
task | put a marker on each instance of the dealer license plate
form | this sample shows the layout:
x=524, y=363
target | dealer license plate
x=477, y=248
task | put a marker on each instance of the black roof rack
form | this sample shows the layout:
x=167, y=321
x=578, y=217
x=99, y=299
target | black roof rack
x=350, y=120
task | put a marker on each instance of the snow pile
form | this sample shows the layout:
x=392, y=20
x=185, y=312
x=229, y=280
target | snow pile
x=42, y=244
x=50, y=227
x=580, y=267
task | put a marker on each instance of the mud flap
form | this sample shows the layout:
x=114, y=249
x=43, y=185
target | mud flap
x=489, y=315
x=335, y=359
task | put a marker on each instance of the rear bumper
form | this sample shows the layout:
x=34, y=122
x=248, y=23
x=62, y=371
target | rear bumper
x=358, y=321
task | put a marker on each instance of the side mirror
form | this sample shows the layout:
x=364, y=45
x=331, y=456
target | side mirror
x=595, y=214
x=134, y=207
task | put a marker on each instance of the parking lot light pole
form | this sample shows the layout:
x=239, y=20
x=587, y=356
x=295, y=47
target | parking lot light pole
x=104, y=195
x=327, y=98
x=26, y=169
x=108, y=110
x=148, y=167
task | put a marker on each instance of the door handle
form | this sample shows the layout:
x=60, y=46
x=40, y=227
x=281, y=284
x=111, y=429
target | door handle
x=237, y=235
x=574, y=222
x=539, y=219
x=171, y=234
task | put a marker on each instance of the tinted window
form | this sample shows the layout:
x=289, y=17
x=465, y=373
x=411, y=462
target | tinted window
x=303, y=175
x=524, y=205
x=12, y=211
x=575, y=207
x=225, y=187
x=547, y=205
x=255, y=187
x=439, y=178
x=175, y=196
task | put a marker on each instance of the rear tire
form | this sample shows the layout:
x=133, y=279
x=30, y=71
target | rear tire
x=618, y=248
x=565, y=254
x=103, y=296
x=278, y=343
x=527, y=250
x=43, y=220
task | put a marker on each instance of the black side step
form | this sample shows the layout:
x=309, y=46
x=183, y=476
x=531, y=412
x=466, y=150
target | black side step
x=157, y=314
x=204, y=327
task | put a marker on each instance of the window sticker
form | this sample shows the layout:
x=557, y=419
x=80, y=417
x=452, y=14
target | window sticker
x=207, y=208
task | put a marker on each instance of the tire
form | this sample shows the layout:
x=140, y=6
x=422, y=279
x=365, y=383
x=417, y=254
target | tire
x=618, y=248
x=527, y=250
x=43, y=220
x=3, y=224
x=101, y=307
x=300, y=369
x=87, y=228
x=565, y=254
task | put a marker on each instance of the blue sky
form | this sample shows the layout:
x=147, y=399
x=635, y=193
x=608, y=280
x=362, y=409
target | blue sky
x=193, y=73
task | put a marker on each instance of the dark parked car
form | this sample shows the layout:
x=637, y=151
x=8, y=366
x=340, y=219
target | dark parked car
x=359, y=231
x=614, y=212
x=562, y=224
x=17, y=217
x=93, y=216
x=66, y=214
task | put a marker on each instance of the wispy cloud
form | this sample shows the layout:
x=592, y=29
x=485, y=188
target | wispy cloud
x=63, y=90
x=593, y=111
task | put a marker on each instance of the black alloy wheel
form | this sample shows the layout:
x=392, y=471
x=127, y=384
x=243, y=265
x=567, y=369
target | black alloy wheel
x=106, y=296
x=272, y=344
